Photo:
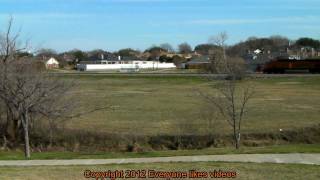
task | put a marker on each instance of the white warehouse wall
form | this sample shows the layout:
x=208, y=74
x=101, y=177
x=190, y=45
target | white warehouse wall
x=135, y=65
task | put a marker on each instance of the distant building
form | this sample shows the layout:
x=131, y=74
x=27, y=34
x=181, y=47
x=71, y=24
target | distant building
x=257, y=51
x=52, y=63
x=122, y=65
x=202, y=62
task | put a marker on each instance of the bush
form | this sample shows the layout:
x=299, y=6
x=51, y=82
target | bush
x=88, y=141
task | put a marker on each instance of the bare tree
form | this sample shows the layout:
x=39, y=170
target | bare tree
x=29, y=93
x=184, y=48
x=279, y=41
x=232, y=96
x=155, y=52
x=45, y=53
x=217, y=61
x=220, y=40
x=9, y=50
x=34, y=95
x=167, y=47
x=231, y=102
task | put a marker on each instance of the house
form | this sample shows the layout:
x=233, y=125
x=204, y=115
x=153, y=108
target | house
x=202, y=62
x=257, y=51
x=52, y=63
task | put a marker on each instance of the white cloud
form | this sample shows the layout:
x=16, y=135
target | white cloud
x=46, y=15
x=93, y=1
x=305, y=19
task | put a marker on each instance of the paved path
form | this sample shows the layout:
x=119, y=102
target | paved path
x=256, y=158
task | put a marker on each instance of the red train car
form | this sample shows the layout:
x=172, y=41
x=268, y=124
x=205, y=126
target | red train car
x=284, y=65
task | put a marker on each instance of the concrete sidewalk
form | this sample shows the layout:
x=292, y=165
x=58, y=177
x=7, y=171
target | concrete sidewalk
x=254, y=158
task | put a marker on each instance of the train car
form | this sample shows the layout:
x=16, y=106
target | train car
x=286, y=65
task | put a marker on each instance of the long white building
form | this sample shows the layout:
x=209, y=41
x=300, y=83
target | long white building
x=134, y=65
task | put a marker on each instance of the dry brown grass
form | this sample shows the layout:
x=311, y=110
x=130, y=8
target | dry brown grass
x=152, y=106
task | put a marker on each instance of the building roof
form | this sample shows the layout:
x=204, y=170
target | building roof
x=52, y=60
x=98, y=61
x=199, y=60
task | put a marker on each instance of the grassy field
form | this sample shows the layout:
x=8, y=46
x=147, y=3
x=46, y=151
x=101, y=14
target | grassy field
x=243, y=170
x=170, y=105
x=294, y=148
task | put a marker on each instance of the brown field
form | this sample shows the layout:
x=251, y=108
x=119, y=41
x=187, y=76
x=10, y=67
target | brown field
x=170, y=105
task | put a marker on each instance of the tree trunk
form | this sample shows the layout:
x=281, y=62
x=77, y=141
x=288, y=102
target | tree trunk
x=26, y=135
x=5, y=142
x=26, y=144
x=235, y=136
x=51, y=135
x=238, y=141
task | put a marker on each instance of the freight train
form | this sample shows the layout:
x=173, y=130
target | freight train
x=287, y=65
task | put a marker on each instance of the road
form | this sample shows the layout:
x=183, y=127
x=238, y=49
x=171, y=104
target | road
x=216, y=76
x=312, y=159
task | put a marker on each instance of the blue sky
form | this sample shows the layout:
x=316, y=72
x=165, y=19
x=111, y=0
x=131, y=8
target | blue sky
x=138, y=24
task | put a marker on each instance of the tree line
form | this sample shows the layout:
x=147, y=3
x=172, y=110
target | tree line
x=160, y=52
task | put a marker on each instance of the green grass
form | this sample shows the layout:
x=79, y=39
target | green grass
x=244, y=170
x=297, y=148
x=159, y=105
